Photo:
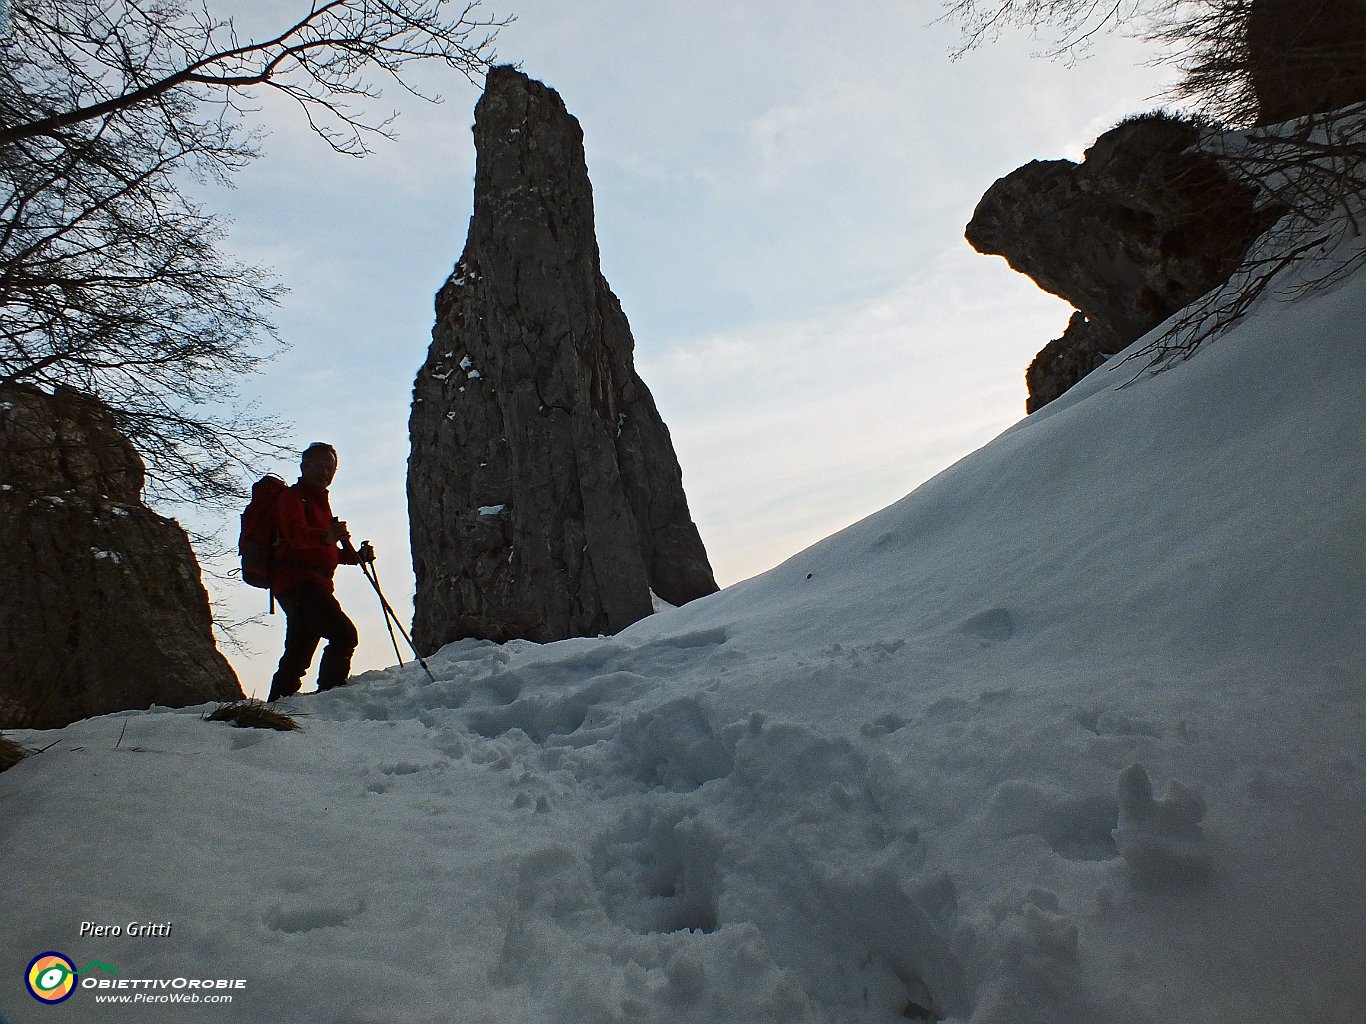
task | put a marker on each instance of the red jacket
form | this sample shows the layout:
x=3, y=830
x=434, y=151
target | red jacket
x=302, y=517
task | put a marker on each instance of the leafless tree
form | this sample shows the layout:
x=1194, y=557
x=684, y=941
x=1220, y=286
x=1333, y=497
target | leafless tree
x=111, y=278
x=1063, y=26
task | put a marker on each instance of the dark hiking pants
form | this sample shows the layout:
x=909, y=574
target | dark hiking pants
x=312, y=613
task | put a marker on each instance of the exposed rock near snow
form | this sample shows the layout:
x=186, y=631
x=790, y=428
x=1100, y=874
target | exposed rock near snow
x=1085, y=345
x=545, y=497
x=101, y=603
x=1137, y=231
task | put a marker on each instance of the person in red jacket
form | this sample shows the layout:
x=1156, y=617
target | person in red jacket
x=312, y=544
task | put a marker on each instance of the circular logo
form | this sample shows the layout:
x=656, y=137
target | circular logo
x=51, y=977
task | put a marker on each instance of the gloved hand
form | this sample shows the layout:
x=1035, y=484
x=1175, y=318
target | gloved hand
x=337, y=531
x=365, y=553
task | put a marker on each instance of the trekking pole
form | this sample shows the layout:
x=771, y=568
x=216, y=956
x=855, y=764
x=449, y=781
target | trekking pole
x=389, y=612
x=391, y=616
x=388, y=622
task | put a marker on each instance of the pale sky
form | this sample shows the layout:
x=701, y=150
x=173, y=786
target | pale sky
x=780, y=192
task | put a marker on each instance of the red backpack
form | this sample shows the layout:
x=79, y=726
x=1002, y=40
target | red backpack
x=256, y=543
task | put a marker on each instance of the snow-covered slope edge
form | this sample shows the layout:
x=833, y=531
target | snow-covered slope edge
x=1072, y=733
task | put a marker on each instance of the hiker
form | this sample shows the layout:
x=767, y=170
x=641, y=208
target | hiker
x=312, y=543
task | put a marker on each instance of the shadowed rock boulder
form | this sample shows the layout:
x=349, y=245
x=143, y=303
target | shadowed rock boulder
x=1136, y=232
x=101, y=604
x=1084, y=346
x=545, y=498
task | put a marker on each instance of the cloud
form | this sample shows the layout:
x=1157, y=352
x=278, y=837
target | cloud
x=789, y=430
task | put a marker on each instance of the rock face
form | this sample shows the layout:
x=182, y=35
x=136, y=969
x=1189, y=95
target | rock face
x=1306, y=56
x=101, y=604
x=545, y=498
x=1064, y=361
x=1137, y=231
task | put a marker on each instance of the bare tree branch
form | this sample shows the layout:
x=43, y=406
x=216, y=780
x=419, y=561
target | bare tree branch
x=111, y=279
x=1065, y=26
x=129, y=56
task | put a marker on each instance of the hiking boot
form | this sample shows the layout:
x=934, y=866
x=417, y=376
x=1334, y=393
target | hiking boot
x=279, y=691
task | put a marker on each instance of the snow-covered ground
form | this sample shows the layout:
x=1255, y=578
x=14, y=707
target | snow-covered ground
x=1073, y=733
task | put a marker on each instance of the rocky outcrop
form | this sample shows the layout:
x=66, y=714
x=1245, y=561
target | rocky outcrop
x=545, y=498
x=101, y=604
x=1306, y=56
x=1085, y=345
x=1134, y=233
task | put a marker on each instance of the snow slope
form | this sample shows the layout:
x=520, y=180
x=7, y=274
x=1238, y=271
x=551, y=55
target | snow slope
x=1073, y=733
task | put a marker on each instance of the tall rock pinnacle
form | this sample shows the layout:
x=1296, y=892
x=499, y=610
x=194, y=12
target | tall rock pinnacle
x=545, y=498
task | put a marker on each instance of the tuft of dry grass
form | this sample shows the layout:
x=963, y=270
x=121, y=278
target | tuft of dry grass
x=252, y=714
x=10, y=754
x=1156, y=114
